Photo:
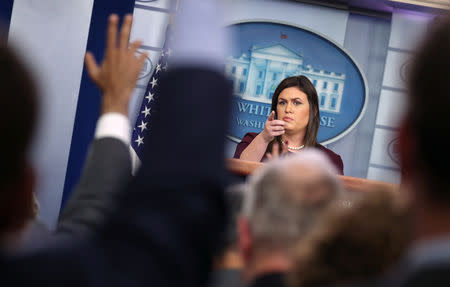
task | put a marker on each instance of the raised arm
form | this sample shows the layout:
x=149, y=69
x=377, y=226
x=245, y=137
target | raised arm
x=117, y=75
x=256, y=149
x=108, y=166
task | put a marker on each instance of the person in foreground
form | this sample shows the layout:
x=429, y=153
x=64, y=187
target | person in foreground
x=282, y=203
x=228, y=263
x=17, y=123
x=425, y=163
x=292, y=125
x=106, y=171
x=157, y=234
x=352, y=243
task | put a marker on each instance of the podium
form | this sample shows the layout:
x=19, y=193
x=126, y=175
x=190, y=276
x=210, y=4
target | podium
x=243, y=168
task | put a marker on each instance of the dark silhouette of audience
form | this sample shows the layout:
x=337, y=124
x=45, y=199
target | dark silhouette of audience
x=283, y=201
x=228, y=262
x=17, y=124
x=424, y=162
x=352, y=243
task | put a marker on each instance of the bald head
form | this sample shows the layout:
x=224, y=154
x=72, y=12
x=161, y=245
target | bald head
x=285, y=197
x=309, y=179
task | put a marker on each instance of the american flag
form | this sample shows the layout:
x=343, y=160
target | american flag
x=142, y=128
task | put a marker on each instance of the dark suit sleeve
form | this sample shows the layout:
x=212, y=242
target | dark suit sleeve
x=107, y=170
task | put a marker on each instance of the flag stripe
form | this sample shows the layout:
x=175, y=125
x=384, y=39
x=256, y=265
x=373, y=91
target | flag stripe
x=88, y=106
x=6, y=7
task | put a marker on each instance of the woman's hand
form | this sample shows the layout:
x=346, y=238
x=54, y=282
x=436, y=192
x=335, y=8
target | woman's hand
x=119, y=71
x=272, y=128
x=276, y=151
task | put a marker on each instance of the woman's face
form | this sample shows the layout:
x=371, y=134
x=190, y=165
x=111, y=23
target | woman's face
x=293, y=108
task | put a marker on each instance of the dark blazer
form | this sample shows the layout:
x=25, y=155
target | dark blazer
x=430, y=268
x=275, y=279
x=169, y=217
x=107, y=170
x=332, y=156
x=421, y=271
x=435, y=276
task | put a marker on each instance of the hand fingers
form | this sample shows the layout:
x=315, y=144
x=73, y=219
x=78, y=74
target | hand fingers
x=278, y=133
x=284, y=147
x=91, y=66
x=111, y=36
x=271, y=116
x=276, y=128
x=277, y=123
x=269, y=156
x=275, y=149
x=142, y=58
x=134, y=46
x=125, y=32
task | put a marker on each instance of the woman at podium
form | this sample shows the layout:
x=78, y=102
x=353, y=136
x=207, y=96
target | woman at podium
x=292, y=125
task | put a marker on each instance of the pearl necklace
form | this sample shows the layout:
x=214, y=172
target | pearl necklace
x=294, y=147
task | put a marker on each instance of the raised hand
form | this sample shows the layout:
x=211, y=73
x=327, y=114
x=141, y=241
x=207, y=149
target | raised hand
x=276, y=150
x=119, y=71
x=272, y=128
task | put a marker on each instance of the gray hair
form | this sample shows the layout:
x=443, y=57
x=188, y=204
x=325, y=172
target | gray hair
x=284, y=198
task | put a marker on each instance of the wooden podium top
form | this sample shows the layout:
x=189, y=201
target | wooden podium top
x=243, y=168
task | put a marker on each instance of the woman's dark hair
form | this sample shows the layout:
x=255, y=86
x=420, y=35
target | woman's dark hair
x=304, y=85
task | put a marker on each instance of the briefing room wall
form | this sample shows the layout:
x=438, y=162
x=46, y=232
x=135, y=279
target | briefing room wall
x=51, y=37
x=366, y=39
x=332, y=22
x=407, y=30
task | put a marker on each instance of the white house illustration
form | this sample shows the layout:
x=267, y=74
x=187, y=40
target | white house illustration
x=256, y=75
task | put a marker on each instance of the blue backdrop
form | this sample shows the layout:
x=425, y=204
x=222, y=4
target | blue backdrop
x=5, y=13
x=317, y=52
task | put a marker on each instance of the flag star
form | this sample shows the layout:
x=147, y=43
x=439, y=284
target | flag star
x=146, y=112
x=154, y=82
x=158, y=68
x=162, y=53
x=139, y=141
x=149, y=97
x=143, y=126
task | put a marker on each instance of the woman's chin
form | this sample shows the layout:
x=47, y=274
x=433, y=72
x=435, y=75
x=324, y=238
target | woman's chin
x=293, y=130
x=289, y=130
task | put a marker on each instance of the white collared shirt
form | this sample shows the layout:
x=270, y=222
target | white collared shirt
x=114, y=125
